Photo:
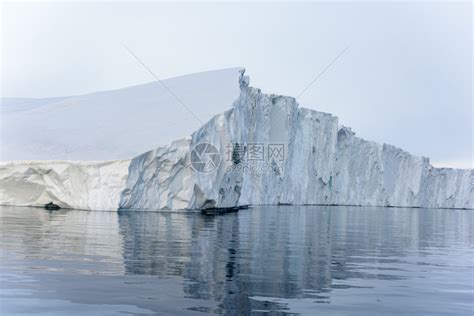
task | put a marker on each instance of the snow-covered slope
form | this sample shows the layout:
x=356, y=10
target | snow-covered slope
x=118, y=124
x=69, y=184
x=324, y=163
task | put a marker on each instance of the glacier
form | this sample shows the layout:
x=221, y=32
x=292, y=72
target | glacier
x=322, y=163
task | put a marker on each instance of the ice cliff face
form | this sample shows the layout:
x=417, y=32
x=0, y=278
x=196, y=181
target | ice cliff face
x=322, y=163
x=80, y=185
x=160, y=179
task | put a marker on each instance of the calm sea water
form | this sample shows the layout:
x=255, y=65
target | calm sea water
x=261, y=261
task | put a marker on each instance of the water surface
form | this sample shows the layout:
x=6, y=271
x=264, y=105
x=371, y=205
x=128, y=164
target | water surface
x=265, y=260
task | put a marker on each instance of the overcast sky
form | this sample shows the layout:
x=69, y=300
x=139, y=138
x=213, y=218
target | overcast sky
x=406, y=78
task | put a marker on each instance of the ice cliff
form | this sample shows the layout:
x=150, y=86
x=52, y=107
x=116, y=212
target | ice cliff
x=308, y=158
x=69, y=184
x=323, y=163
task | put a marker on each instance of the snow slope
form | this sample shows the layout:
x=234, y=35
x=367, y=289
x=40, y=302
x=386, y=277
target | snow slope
x=117, y=124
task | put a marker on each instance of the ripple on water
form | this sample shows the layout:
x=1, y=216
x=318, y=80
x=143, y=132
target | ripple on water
x=287, y=259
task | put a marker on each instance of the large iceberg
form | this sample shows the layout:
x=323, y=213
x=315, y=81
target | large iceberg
x=322, y=163
x=264, y=150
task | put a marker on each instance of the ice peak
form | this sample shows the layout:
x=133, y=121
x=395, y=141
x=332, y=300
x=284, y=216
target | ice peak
x=243, y=80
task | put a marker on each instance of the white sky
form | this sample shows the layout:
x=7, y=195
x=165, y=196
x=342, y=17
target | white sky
x=405, y=80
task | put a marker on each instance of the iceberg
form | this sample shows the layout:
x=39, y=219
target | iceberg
x=265, y=150
x=324, y=164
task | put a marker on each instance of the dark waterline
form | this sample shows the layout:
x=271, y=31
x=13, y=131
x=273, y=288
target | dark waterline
x=288, y=260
